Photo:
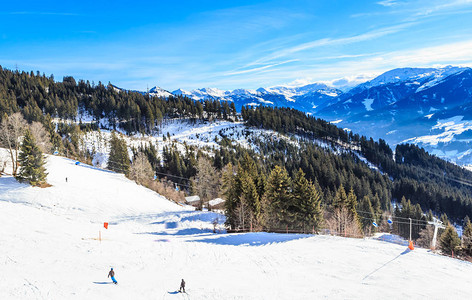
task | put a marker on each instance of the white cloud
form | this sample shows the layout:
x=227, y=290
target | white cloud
x=454, y=53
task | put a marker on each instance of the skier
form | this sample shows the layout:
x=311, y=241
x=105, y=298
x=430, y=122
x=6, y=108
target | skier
x=112, y=275
x=182, y=286
x=66, y=179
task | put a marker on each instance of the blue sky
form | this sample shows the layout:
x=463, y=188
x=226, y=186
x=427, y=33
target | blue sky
x=232, y=44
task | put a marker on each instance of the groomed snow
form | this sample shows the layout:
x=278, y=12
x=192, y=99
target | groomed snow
x=50, y=250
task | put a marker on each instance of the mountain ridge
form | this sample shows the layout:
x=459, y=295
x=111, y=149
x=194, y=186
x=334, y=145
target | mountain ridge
x=400, y=105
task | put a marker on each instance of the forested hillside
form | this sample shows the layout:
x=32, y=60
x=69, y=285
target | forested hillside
x=423, y=178
x=36, y=96
x=332, y=160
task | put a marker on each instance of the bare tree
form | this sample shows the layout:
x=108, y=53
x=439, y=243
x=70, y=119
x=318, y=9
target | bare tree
x=166, y=189
x=141, y=169
x=41, y=136
x=243, y=214
x=343, y=223
x=3, y=165
x=426, y=237
x=207, y=180
x=11, y=130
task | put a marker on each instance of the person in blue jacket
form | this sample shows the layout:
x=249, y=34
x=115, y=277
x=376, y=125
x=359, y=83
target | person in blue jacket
x=112, y=275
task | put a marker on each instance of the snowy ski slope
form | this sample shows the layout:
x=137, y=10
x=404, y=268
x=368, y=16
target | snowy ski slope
x=49, y=249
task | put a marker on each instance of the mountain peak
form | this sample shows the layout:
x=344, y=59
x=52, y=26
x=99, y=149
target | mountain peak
x=420, y=74
x=159, y=92
x=181, y=92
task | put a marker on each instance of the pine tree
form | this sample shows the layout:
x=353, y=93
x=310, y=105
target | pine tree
x=151, y=153
x=376, y=205
x=118, y=159
x=351, y=205
x=450, y=241
x=230, y=190
x=467, y=236
x=368, y=213
x=429, y=216
x=249, y=166
x=340, y=199
x=352, y=202
x=278, y=198
x=31, y=162
x=307, y=200
x=251, y=200
x=445, y=220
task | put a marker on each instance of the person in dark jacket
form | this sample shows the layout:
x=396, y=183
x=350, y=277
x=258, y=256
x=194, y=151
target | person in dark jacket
x=112, y=275
x=182, y=286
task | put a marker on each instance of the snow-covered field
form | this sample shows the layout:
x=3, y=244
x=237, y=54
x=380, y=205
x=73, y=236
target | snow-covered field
x=49, y=249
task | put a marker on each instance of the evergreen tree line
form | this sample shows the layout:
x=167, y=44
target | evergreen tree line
x=255, y=201
x=37, y=96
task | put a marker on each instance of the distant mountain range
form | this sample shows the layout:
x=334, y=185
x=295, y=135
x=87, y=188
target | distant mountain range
x=431, y=107
x=305, y=98
x=428, y=107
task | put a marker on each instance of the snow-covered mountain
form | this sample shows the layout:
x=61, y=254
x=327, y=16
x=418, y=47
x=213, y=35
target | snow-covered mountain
x=385, y=90
x=159, y=92
x=304, y=98
x=406, y=74
x=412, y=109
x=400, y=105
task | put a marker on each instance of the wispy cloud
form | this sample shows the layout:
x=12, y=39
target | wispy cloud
x=370, y=35
x=418, y=10
x=388, y=3
x=449, y=7
x=260, y=68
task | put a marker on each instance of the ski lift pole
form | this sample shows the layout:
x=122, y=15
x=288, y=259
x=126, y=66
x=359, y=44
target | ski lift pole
x=437, y=224
x=410, y=244
x=410, y=229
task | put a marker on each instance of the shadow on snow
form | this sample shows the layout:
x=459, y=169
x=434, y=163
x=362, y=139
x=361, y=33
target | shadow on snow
x=253, y=239
x=392, y=238
x=186, y=231
x=9, y=183
x=407, y=250
x=173, y=293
